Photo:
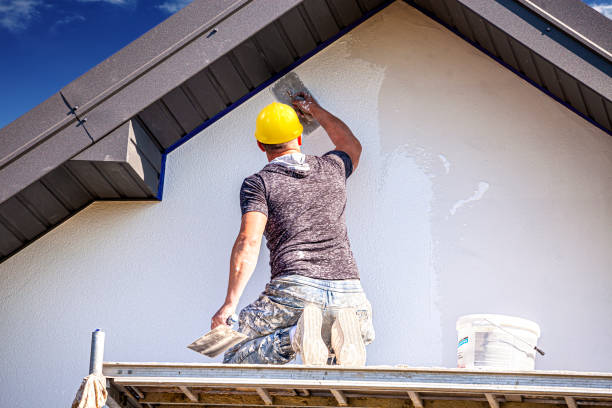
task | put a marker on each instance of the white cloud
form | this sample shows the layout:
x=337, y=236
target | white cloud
x=15, y=15
x=173, y=6
x=115, y=2
x=67, y=20
x=605, y=9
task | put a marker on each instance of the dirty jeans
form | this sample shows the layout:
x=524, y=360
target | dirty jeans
x=268, y=320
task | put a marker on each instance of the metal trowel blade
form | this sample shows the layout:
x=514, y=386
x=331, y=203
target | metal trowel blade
x=285, y=87
x=217, y=341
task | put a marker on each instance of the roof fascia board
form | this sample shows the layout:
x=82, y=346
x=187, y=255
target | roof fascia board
x=132, y=97
x=574, y=33
x=550, y=43
x=581, y=18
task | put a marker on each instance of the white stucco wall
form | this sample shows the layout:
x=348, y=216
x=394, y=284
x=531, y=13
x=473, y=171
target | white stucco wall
x=476, y=193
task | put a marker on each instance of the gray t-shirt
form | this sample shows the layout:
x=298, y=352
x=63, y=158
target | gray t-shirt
x=306, y=229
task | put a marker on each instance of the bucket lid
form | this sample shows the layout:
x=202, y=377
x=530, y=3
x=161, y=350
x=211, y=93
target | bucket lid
x=500, y=320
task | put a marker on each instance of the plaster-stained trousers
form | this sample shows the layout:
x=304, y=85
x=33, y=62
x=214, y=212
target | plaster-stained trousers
x=268, y=321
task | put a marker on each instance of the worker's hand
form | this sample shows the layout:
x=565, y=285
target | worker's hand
x=304, y=103
x=222, y=315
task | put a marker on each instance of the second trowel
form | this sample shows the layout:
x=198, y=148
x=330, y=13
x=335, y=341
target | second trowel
x=218, y=339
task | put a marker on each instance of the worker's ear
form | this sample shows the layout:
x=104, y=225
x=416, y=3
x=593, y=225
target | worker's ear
x=260, y=145
x=299, y=140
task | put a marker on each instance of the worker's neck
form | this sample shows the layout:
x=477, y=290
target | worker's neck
x=274, y=155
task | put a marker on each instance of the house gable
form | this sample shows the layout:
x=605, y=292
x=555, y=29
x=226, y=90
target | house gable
x=105, y=135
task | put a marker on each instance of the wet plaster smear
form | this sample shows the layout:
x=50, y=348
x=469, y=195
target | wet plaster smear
x=476, y=193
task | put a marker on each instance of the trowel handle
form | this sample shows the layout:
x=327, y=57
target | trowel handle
x=232, y=319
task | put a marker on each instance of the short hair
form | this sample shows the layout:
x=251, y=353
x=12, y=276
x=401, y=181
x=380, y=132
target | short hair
x=277, y=147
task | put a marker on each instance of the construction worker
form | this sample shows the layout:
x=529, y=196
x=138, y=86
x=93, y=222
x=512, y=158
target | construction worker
x=314, y=304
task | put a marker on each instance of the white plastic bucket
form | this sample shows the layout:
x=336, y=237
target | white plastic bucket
x=494, y=341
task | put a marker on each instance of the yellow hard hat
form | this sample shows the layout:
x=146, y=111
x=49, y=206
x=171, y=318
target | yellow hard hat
x=277, y=123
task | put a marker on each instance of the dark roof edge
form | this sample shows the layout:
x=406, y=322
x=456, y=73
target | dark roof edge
x=113, y=74
x=594, y=36
x=52, y=137
x=111, y=84
x=555, y=96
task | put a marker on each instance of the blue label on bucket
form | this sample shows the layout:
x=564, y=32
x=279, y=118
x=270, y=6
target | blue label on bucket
x=462, y=342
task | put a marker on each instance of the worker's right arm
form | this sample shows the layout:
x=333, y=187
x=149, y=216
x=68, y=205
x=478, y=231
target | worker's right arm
x=339, y=133
x=242, y=263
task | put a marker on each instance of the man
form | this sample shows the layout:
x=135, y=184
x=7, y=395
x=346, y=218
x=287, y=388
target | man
x=314, y=303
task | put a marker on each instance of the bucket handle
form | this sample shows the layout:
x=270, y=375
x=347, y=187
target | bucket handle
x=536, y=348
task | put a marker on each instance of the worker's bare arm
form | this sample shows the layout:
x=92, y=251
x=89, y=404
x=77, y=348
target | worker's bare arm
x=242, y=263
x=339, y=133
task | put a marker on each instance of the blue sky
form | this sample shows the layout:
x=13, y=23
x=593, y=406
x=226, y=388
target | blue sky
x=47, y=43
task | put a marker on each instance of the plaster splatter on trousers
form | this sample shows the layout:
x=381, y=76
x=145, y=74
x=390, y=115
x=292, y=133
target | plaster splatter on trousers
x=268, y=321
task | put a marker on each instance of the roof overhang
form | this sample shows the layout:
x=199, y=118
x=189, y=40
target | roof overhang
x=105, y=135
x=533, y=38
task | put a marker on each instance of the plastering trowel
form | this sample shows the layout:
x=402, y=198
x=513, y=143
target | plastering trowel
x=218, y=339
x=285, y=88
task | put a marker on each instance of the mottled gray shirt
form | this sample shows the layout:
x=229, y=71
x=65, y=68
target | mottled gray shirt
x=306, y=229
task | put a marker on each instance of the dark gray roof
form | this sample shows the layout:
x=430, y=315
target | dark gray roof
x=582, y=18
x=138, y=105
x=538, y=45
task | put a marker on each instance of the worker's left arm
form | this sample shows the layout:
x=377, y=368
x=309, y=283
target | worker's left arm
x=242, y=263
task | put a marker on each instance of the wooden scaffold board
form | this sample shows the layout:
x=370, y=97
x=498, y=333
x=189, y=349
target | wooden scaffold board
x=149, y=385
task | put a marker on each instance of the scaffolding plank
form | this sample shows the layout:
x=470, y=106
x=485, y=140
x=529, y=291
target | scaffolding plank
x=374, y=379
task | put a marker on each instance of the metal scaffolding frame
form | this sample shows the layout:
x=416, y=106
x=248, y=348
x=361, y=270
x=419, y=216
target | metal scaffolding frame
x=195, y=385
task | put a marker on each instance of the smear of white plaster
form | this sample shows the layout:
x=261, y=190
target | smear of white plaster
x=477, y=195
x=445, y=162
x=393, y=191
x=406, y=260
